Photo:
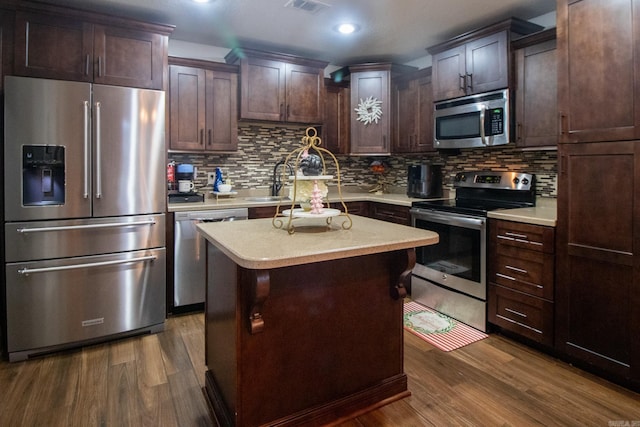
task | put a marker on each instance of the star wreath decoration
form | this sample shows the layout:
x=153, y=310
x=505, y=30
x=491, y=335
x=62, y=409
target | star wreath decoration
x=369, y=110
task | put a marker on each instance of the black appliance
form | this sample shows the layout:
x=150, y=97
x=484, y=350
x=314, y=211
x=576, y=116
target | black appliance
x=186, y=197
x=451, y=276
x=424, y=181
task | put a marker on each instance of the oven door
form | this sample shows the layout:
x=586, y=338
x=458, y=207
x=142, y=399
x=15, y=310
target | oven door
x=458, y=261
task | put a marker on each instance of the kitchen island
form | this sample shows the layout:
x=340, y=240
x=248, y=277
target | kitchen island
x=305, y=329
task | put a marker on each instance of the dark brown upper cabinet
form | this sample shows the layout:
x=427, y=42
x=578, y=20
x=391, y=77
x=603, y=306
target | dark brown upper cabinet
x=412, y=98
x=335, y=130
x=475, y=62
x=598, y=83
x=535, y=90
x=203, y=106
x=278, y=87
x=372, y=82
x=71, y=45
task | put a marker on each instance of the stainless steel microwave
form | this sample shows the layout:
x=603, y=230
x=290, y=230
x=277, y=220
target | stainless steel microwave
x=472, y=121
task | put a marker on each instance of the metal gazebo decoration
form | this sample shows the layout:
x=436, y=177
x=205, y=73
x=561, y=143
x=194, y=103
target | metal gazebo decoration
x=308, y=188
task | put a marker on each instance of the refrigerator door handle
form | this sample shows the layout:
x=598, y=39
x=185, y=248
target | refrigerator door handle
x=26, y=270
x=85, y=226
x=86, y=150
x=98, y=154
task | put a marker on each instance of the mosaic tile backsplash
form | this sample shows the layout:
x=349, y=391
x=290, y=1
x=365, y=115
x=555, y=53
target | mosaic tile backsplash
x=260, y=146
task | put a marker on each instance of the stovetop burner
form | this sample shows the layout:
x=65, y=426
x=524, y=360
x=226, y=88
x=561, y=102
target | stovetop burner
x=480, y=192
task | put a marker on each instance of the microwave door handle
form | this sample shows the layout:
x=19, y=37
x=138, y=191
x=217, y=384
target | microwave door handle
x=483, y=136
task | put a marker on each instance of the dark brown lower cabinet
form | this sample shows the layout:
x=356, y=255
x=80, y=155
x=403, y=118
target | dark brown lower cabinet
x=390, y=213
x=521, y=279
x=598, y=270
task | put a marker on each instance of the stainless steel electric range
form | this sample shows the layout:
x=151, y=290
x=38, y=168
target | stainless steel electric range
x=451, y=276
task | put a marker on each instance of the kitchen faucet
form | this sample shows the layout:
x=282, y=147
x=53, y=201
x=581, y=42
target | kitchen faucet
x=276, y=186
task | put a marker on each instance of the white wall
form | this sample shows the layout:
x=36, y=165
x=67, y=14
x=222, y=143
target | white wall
x=213, y=53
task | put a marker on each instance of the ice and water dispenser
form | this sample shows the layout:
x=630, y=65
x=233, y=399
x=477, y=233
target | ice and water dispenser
x=43, y=175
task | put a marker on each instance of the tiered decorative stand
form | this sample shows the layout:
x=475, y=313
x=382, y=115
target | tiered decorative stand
x=310, y=167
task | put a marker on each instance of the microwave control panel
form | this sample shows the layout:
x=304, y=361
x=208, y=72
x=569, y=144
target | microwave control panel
x=494, y=122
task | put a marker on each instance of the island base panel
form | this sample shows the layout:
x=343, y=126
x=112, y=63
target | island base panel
x=330, y=345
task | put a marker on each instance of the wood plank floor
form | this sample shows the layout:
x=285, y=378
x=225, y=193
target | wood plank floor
x=157, y=380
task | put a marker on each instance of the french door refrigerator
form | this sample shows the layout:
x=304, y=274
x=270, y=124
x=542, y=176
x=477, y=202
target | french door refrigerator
x=84, y=231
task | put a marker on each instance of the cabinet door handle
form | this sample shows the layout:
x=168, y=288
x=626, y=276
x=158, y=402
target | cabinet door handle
x=281, y=112
x=519, y=131
x=288, y=111
x=463, y=83
x=470, y=82
x=202, y=136
x=86, y=65
x=99, y=66
x=209, y=137
x=504, y=276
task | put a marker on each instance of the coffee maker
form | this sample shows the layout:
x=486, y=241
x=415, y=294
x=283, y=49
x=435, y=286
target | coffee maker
x=185, y=175
x=424, y=181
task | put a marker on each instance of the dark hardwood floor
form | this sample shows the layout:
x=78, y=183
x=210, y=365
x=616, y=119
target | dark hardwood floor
x=157, y=380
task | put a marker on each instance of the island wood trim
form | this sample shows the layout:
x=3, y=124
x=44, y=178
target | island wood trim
x=400, y=288
x=260, y=292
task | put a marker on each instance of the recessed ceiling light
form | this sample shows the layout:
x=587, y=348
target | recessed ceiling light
x=347, y=28
x=201, y=1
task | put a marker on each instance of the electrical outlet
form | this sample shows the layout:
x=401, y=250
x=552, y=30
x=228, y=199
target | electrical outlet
x=211, y=177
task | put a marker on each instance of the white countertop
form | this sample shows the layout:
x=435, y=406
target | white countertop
x=239, y=201
x=544, y=213
x=257, y=244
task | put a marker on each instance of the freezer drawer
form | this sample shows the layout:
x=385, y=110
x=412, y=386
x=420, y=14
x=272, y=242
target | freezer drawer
x=39, y=240
x=60, y=303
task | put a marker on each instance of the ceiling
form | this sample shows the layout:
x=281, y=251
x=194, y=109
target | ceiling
x=391, y=30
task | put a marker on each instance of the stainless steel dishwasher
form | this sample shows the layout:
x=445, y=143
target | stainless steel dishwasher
x=189, y=276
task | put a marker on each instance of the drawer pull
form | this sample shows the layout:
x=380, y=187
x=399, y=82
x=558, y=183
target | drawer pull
x=504, y=276
x=516, y=235
x=517, y=313
x=519, y=270
x=538, y=331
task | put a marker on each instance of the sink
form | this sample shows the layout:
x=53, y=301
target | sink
x=266, y=198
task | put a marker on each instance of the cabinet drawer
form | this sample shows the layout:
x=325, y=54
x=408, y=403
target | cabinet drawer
x=390, y=213
x=523, y=314
x=523, y=270
x=527, y=236
x=354, y=208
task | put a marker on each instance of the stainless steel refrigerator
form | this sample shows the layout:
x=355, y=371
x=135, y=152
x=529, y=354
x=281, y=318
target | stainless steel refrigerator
x=85, y=191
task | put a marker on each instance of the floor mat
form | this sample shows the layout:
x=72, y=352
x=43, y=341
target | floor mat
x=437, y=329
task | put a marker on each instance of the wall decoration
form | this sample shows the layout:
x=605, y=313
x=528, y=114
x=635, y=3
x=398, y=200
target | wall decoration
x=369, y=110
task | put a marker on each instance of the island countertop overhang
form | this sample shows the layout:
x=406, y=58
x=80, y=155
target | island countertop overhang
x=257, y=244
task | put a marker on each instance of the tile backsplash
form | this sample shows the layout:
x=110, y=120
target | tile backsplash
x=260, y=146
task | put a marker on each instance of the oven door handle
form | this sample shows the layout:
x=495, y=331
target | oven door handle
x=455, y=220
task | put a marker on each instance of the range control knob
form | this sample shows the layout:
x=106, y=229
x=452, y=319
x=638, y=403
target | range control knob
x=525, y=181
x=516, y=181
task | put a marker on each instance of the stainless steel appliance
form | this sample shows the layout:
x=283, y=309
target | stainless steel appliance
x=424, y=181
x=189, y=277
x=472, y=121
x=85, y=195
x=451, y=275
